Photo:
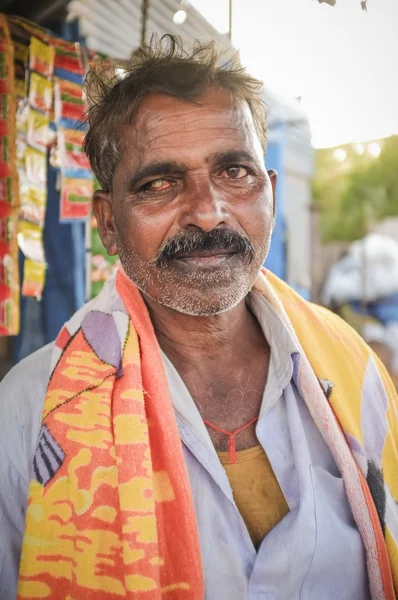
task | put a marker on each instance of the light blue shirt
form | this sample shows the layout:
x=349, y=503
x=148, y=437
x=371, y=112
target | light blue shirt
x=314, y=553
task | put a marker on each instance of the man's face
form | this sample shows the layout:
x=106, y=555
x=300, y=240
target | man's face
x=192, y=206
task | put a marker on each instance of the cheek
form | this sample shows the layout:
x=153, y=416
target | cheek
x=256, y=218
x=143, y=231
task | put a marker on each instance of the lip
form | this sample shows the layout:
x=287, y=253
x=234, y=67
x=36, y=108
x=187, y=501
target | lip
x=205, y=253
x=206, y=258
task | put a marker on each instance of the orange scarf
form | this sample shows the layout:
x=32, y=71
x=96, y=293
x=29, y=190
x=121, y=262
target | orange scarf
x=110, y=511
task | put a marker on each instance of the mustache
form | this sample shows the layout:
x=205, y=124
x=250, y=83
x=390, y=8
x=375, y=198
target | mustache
x=198, y=241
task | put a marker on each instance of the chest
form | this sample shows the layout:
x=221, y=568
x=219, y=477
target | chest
x=229, y=397
x=319, y=527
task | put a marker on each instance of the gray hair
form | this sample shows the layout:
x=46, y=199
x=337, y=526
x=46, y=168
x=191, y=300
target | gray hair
x=114, y=90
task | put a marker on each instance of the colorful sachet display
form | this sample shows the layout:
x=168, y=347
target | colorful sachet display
x=34, y=139
x=48, y=124
x=9, y=271
x=42, y=117
x=76, y=175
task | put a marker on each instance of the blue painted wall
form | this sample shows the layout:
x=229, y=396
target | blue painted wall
x=276, y=260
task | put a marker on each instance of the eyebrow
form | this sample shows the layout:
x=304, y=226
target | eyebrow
x=233, y=156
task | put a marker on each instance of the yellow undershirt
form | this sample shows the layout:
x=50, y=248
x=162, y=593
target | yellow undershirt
x=256, y=491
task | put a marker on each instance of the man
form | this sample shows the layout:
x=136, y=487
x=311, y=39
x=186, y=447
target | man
x=197, y=430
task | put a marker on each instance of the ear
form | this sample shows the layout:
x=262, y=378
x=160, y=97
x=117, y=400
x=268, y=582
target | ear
x=273, y=175
x=102, y=206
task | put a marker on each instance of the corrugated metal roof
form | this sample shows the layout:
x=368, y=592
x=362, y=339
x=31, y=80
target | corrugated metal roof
x=112, y=27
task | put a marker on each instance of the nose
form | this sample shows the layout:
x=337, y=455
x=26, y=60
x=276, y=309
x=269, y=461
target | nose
x=204, y=207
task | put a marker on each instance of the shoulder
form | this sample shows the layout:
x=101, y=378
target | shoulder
x=334, y=322
x=316, y=327
x=22, y=394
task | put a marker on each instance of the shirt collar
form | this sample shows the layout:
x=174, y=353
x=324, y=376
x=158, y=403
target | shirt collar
x=282, y=344
x=283, y=348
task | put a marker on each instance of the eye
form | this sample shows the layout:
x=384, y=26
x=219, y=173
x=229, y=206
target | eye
x=234, y=172
x=158, y=185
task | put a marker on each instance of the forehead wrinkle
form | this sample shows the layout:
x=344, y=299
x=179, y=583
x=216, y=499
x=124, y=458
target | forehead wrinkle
x=188, y=125
x=158, y=115
x=225, y=128
x=162, y=146
x=201, y=135
x=187, y=107
x=148, y=118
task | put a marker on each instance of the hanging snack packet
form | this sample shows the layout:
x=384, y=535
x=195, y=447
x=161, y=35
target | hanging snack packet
x=33, y=279
x=40, y=92
x=9, y=294
x=30, y=240
x=76, y=195
x=9, y=272
x=32, y=186
x=68, y=62
x=33, y=204
x=35, y=166
x=68, y=105
x=41, y=57
x=22, y=118
x=38, y=131
x=70, y=149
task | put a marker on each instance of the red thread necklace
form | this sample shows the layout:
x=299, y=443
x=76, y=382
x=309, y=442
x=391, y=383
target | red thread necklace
x=231, y=443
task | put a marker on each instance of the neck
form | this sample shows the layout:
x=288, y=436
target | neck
x=189, y=337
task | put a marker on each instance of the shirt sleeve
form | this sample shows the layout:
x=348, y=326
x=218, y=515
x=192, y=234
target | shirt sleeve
x=22, y=394
x=13, y=495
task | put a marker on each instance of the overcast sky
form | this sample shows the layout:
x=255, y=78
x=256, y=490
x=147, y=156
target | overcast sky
x=342, y=61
